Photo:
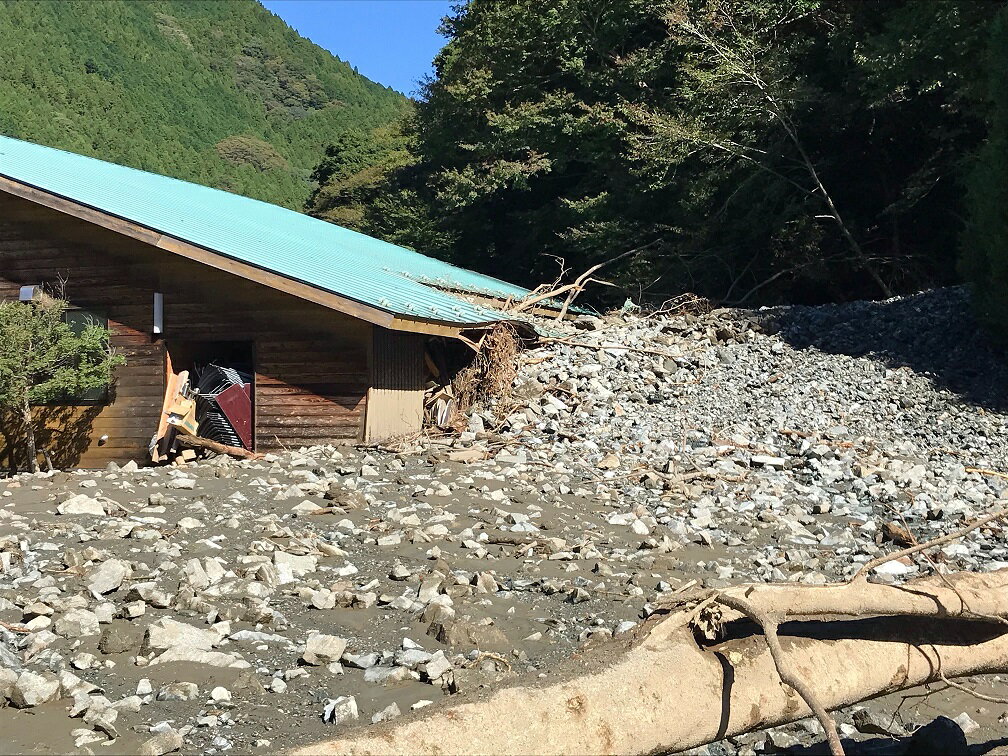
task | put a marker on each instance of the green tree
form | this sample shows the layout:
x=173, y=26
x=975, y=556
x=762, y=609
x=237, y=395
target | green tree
x=748, y=149
x=985, y=243
x=223, y=93
x=43, y=359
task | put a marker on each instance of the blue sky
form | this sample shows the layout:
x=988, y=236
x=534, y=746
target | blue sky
x=390, y=41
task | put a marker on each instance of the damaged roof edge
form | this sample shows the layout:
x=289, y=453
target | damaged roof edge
x=374, y=278
x=182, y=247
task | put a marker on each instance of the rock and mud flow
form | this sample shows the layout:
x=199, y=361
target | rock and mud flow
x=590, y=525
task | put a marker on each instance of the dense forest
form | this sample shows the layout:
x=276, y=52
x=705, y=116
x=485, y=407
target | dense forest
x=750, y=150
x=220, y=93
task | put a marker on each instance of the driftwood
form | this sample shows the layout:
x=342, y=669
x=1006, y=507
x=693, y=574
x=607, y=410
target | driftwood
x=700, y=673
x=198, y=442
x=668, y=692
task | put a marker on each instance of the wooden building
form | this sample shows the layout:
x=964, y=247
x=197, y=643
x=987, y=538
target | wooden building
x=332, y=324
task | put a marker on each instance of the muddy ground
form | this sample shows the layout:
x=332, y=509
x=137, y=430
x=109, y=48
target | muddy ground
x=224, y=605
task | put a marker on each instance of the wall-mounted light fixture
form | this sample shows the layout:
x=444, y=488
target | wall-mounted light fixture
x=30, y=293
x=158, y=313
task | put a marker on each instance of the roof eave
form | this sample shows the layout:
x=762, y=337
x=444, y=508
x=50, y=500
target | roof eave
x=221, y=261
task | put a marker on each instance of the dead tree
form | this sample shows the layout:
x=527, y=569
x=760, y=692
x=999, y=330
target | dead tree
x=720, y=663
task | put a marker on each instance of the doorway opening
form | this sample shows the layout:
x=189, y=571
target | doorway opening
x=219, y=377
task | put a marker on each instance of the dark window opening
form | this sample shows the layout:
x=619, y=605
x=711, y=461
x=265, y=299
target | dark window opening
x=80, y=320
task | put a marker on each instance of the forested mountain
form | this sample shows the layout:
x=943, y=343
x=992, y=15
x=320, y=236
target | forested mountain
x=220, y=93
x=751, y=150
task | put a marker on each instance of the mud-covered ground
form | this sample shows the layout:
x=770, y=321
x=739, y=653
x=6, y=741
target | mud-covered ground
x=230, y=605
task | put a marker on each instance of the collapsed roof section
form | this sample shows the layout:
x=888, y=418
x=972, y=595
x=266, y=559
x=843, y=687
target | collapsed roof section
x=351, y=272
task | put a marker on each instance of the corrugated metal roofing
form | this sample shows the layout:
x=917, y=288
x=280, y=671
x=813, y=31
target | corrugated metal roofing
x=293, y=245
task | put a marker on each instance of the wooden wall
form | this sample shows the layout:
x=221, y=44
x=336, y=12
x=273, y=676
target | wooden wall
x=312, y=369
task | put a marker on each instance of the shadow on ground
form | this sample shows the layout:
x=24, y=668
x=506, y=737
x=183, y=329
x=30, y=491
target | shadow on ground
x=942, y=737
x=933, y=333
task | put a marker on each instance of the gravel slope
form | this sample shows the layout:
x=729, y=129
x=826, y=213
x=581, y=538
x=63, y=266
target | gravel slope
x=237, y=605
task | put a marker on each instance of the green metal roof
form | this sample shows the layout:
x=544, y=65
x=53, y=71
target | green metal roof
x=296, y=246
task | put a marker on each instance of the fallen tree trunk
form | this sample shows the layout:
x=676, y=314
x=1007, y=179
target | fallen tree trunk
x=198, y=442
x=668, y=693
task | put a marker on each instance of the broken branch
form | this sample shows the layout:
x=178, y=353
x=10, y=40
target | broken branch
x=198, y=442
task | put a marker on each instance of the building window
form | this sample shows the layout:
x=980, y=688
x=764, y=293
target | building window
x=79, y=319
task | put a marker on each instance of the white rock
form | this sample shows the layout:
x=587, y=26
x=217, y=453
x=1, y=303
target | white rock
x=108, y=576
x=299, y=566
x=81, y=504
x=321, y=649
x=33, y=689
x=167, y=633
x=340, y=710
x=220, y=694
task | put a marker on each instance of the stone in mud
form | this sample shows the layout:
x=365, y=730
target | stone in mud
x=436, y=666
x=178, y=691
x=344, y=497
x=9, y=659
x=8, y=678
x=108, y=576
x=361, y=661
x=121, y=637
x=150, y=593
x=967, y=723
x=298, y=565
x=389, y=675
x=198, y=656
x=81, y=504
x=389, y=712
x=220, y=694
x=321, y=649
x=103, y=717
x=77, y=623
x=340, y=710
x=161, y=743
x=167, y=633
x=869, y=724
x=32, y=689
x=608, y=462
x=464, y=634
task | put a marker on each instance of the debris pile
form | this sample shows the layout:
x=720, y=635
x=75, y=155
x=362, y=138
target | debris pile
x=264, y=603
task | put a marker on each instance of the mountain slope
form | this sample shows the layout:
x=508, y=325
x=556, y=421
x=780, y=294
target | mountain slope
x=220, y=93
